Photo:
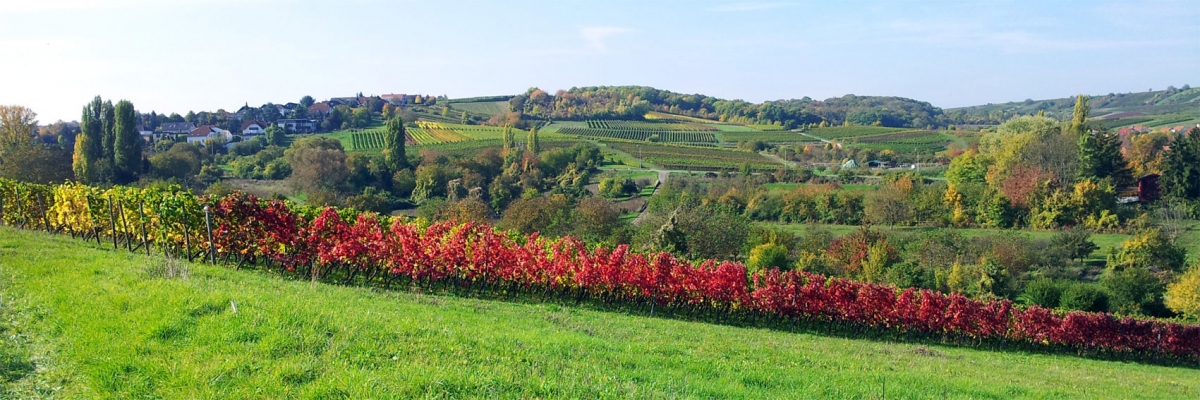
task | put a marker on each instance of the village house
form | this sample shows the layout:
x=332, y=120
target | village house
x=254, y=127
x=205, y=132
x=297, y=125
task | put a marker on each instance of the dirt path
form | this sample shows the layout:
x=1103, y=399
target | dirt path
x=662, y=180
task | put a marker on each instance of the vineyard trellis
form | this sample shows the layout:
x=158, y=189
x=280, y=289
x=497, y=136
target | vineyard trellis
x=348, y=247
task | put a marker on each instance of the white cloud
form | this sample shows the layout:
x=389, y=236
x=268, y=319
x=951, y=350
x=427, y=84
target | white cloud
x=751, y=6
x=597, y=36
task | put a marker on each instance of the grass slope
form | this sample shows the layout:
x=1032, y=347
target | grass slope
x=82, y=321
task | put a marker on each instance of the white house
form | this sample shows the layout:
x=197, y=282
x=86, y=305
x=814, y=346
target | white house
x=254, y=127
x=205, y=132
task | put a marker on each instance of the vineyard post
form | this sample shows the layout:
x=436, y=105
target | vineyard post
x=92, y=218
x=212, y=252
x=42, y=208
x=1, y=208
x=187, y=239
x=112, y=222
x=20, y=219
x=142, y=218
x=125, y=226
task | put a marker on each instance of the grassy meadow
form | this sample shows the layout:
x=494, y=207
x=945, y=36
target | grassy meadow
x=82, y=321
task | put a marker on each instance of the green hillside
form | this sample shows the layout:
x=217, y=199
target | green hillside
x=1184, y=100
x=81, y=321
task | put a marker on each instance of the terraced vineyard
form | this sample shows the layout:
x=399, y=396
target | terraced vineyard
x=367, y=140
x=845, y=132
x=769, y=137
x=692, y=158
x=652, y=126
x=433, y=133
x=922, y=141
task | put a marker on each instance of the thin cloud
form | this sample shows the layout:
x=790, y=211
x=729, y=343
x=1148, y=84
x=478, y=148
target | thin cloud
x=751, y=6
x=597, y=36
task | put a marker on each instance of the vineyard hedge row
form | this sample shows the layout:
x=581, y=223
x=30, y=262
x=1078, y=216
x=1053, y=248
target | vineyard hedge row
x=349, y=247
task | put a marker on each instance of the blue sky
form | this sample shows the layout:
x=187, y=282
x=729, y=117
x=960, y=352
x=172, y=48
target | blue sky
x=180, y=55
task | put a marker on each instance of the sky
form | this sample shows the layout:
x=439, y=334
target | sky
x=181, y=55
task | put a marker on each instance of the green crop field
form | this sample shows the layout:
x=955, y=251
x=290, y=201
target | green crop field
x=845, y=132
x=667, y=136
x=81, y=321
x=676, y=157
x=482, y=107
x=770, y=137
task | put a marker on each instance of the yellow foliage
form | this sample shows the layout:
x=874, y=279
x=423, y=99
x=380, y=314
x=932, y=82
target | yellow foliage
x=1183, y=296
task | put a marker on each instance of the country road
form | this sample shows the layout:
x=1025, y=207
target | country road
x=662, y=180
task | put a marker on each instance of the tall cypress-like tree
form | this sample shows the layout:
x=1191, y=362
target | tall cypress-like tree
x=1100, y=157
x=531, y=142
x=127, y=143
x=108, y=118
x=1181, y=166
x=89, y=144
x=1079, y=118
x=509, y=140
x=393, y=149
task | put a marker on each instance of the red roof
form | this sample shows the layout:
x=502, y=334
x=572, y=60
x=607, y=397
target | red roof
x=202, y=131
x=260, y=124
x=322, y=107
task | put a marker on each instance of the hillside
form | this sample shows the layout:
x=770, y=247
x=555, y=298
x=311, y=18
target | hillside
x=82, y=321
x=1185, y=101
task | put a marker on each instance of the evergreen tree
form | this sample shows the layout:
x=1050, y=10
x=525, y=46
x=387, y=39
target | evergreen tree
x=89, y=143
x=127, y=143
x=1181, y=166
x=1100, y=157
x=531, y=143
x=1079, y=117
x=393, y=150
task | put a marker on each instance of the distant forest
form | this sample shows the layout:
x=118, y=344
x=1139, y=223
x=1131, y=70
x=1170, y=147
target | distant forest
x=632, y=102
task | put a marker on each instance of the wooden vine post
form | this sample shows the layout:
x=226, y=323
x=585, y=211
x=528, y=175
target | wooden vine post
x=112, y=222
x=212, y=250
x=142, y=219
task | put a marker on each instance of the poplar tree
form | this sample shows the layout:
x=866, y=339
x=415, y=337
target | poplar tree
x=127, y=143
x=89, y=143
x=393, y=150
x=509, y=140
x=531, y=142
x=1080, y=115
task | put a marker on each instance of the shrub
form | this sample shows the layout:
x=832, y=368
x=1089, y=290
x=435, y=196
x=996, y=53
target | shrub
x=1084, y=297
x=1044, y=292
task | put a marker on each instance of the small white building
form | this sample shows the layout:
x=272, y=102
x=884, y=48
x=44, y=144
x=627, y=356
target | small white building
x=254, y=127
x=206, y=132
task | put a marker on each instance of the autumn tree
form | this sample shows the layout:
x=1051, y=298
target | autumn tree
x=393, y=149
x=318, y=164
x=17, y=124
x=1183, y=296
x=1145, y=152
x=597, y=220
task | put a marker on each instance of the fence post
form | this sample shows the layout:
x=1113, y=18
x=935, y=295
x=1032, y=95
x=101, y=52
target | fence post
x=112, y=222
x=212, y=251
x=1, y=208
x=142, y=219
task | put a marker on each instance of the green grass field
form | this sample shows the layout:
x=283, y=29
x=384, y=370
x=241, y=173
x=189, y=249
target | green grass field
x=482, y=107
x=80, y=321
